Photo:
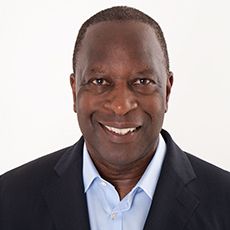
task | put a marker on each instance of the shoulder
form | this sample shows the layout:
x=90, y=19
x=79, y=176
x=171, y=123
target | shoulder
x=206, y=181
x=209, y=175
x=35, y=173
x=23, y=190
x=211, y=187
x=185, y=164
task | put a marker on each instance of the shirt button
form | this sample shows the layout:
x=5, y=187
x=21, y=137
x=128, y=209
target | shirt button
x=113, y=215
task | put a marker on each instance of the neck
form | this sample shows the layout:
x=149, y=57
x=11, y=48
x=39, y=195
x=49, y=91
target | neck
x=124, y=177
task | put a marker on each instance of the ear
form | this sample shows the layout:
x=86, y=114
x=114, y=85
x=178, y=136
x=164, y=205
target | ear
x=73, y=84
x=169, y=84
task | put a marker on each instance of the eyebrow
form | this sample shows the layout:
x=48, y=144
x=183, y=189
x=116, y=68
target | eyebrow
x=146, y=70
x=101, y=69
x=97, y=69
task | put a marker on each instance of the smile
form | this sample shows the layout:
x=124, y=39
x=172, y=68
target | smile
x=120, y=131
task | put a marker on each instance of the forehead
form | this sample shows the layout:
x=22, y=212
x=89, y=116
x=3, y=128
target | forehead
x=115, y=42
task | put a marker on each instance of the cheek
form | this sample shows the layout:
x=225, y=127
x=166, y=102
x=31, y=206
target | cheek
x=83, y=108
x=86, y=106
x=86, y=97
x=154, y=107
x=154, y=104
x=84, y=102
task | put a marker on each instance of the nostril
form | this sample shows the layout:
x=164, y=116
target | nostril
x=121, y=101
x=121, y=107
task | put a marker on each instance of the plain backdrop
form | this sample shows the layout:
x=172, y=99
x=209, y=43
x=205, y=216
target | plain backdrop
x=36, y=44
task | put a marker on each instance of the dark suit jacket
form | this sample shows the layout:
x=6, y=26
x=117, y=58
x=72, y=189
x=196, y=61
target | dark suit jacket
x=48, y=194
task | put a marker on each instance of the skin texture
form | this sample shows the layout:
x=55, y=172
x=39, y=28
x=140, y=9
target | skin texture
x=121, y=81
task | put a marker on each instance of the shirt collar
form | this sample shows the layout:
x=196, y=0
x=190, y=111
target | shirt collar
x=89, y=170
x=151, y=173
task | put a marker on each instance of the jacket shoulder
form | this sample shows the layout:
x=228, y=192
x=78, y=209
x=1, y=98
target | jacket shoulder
x=208, y=171
x=212, y=185
x=32, y=174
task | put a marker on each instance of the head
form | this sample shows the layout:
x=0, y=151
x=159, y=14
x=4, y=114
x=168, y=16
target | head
x=121, y=85
x=122, y=14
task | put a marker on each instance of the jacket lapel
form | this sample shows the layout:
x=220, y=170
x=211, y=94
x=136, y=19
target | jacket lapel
x=65, y=197
x=173, y=203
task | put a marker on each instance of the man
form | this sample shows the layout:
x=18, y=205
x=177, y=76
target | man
x=125, y=172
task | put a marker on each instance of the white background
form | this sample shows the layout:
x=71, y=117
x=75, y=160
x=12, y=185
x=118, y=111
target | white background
x=36, y=44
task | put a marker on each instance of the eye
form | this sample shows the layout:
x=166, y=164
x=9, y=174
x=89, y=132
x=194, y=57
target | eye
x=142, y=81
x=145, y=86
x=100, y=81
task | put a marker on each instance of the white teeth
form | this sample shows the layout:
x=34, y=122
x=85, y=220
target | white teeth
x=120, y=131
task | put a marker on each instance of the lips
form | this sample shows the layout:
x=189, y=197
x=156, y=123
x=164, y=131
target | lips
x=123, y=130
x=120, y=131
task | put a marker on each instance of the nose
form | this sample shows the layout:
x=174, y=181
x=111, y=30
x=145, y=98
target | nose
x=121, y=100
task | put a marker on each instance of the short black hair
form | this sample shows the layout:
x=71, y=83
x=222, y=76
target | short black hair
x=120, y=13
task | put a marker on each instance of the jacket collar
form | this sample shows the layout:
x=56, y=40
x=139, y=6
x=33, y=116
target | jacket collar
x=65, y=197
x=173, y=203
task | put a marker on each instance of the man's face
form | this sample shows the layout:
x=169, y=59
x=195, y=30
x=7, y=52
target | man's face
x=121, y=89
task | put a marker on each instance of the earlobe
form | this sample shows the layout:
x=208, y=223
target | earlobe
x=169, y=84
x=73, y=86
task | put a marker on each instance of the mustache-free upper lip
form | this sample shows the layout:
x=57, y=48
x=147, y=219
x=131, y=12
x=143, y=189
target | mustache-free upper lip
x=121, y=125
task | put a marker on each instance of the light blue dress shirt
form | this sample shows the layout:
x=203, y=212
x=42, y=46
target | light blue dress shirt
x=106, y=210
